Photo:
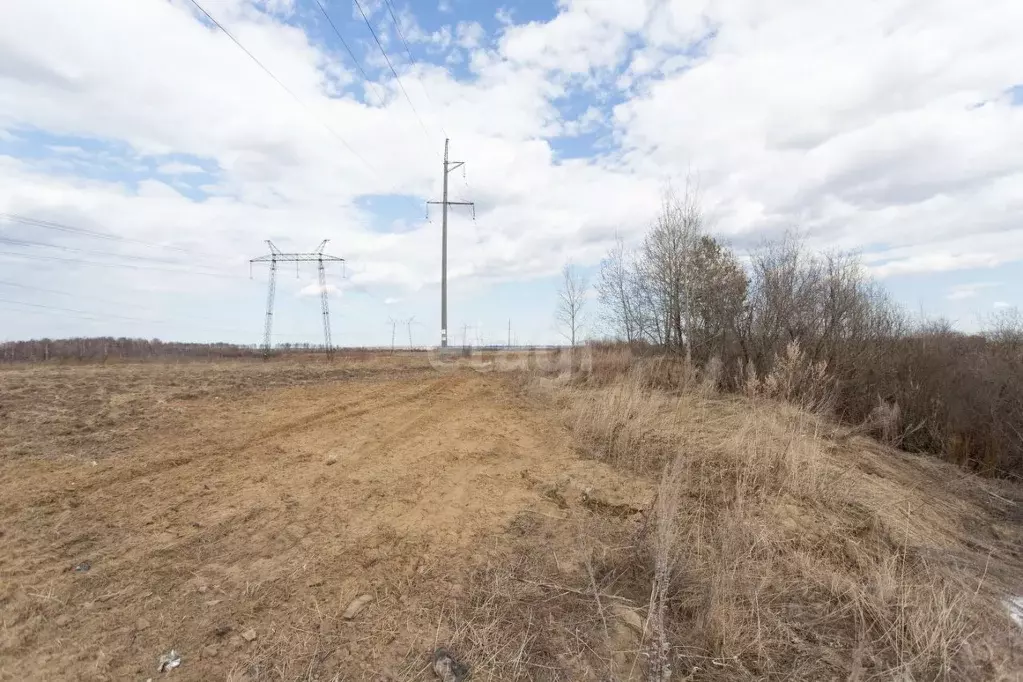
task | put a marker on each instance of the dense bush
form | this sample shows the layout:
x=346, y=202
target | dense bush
x=816, y=330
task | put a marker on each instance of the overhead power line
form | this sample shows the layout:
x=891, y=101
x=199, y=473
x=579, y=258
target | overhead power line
x=75, y=311
x=62, y=227
x=304, y=106
x=99, y=316
x=284, y=87
x=83, y=261
x=120, y=305
x=91, y=252
x=415, y=65
x=351, y=54
x=387, y=59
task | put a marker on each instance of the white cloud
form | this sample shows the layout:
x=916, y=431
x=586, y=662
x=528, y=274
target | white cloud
x=585, y=123
x=315, y=289
x=1001, y=304
x=857, y=123
x=961, y=292
x=178, y=168
x=469, y=34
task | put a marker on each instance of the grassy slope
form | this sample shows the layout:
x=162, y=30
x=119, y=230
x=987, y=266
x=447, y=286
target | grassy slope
x=778, y=546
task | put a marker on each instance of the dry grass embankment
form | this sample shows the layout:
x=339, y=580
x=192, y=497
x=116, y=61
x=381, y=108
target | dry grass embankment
x=778, y=545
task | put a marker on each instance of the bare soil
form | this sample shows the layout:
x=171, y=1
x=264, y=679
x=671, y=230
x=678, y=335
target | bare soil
x=233, y=511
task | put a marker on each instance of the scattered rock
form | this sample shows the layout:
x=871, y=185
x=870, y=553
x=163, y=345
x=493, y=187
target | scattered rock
x=554, y=494
x=141, y=624
x=630, y=617
x=202, y=589
x=210, y=651
x=607, y=503
x=212, y=602
x=356, y=606
x=447, y=668
x=169, y=661
x=83, y=567
x=249, y=635
x=236, y=641
x=63, y=619
x=315, y=582
x=332, y=458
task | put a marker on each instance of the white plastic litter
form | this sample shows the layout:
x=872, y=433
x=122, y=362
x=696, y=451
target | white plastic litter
x=169, y=661
x=1015, y=607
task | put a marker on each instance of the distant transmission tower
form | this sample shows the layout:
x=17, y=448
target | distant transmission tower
x=277, y=256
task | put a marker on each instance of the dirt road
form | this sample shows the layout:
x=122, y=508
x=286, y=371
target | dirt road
x=236, y=530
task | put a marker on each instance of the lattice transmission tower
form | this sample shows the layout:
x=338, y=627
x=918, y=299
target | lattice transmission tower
x=277, y=256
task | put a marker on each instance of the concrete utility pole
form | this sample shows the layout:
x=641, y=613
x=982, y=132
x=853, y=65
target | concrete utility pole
x=444, y=203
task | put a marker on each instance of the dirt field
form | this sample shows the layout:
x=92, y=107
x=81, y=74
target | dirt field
x=539, y=525
x=232, y=512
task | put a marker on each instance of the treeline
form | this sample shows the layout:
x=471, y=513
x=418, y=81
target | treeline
x=814, y=328
x=100, y=349
x=110, y=349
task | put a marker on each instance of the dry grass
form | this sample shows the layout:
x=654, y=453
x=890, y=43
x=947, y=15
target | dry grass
x=782, y=546
x=702, y=537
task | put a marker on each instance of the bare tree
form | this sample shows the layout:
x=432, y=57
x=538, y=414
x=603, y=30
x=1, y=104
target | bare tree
x=571, y=301
x=617, y=289
x=1005, y=327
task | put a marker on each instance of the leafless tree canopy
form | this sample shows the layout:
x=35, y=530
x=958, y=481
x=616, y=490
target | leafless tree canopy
x=819, y=320
x=571, y=302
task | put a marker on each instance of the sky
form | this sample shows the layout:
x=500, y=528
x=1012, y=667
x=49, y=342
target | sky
x=893, y=128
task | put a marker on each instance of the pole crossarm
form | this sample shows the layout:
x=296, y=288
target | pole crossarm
x=296, y=258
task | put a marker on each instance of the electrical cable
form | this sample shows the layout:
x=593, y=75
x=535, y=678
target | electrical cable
x=391, y=66
x=415, y=65
x=285, y=87
x=351, y=54
x=82, y=261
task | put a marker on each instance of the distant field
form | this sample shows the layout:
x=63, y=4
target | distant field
x=232, y=511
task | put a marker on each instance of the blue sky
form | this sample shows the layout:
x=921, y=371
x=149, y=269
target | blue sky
x=143, y=122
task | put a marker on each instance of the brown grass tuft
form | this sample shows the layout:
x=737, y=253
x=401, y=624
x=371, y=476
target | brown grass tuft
x=781, y=546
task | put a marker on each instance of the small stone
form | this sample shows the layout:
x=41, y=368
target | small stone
x=448, y=668
x=202, y=589
x=629, y=617
x=332, y=458
x=63, y=619
x=141, y=624
x=315, y=582
x=357, y=605
x=210, y=651
x=235, y=641
x=249, y=635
